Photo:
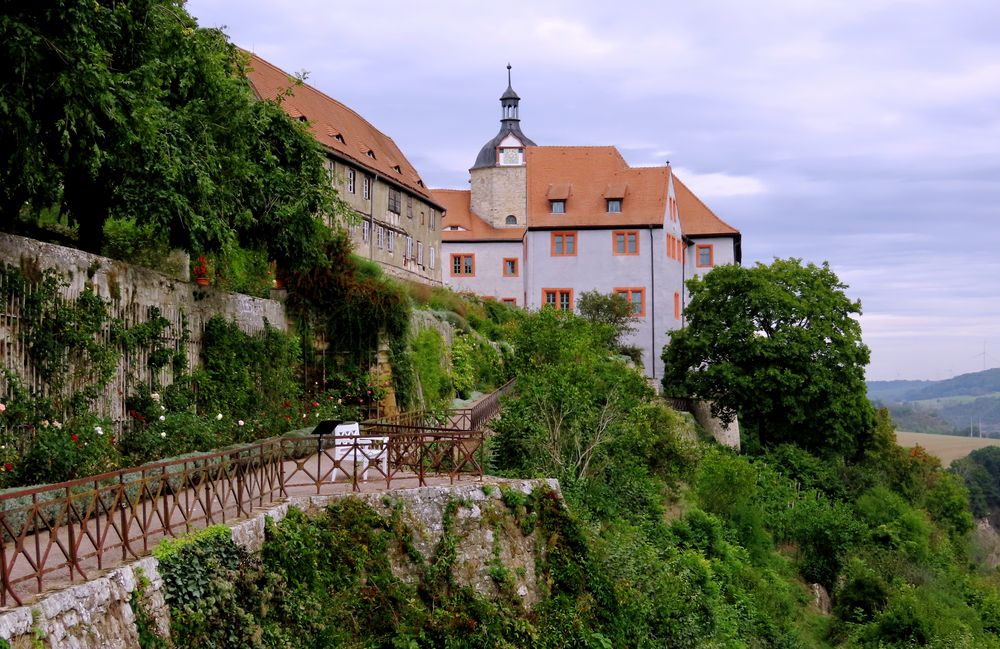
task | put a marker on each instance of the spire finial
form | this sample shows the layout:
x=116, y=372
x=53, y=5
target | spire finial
x=508, y=73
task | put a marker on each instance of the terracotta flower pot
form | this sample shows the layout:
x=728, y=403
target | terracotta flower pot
x=202, y=281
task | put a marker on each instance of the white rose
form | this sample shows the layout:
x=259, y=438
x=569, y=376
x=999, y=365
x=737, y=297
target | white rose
x=163, y=434
x=240, y=422
x=218, y=417
x=162, y=418
x=98, y=430
x=155, y=396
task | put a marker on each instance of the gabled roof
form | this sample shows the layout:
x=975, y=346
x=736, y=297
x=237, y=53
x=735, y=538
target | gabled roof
x=697, y=220
x=335, y=126
x=588, y=175
x=458, y=206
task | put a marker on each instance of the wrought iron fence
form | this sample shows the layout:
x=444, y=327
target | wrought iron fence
x=67, y=531
x=476, y=417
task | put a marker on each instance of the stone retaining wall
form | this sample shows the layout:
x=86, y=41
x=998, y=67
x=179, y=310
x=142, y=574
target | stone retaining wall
x=98, y=614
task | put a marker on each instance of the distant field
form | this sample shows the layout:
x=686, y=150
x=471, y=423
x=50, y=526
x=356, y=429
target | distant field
x=941, y=402
x=945, y=447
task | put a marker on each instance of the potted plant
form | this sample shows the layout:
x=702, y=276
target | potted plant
x=200, y=271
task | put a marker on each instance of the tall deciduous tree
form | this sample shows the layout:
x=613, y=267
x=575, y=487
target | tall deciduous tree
x=780, y=346
x=129, y=109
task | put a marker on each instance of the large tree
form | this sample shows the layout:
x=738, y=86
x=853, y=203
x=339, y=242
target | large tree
x=129, y=109
x=780, y=346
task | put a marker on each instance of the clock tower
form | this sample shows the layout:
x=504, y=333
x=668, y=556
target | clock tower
x=499, y=176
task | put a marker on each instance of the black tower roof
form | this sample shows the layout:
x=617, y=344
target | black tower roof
x=509, y=125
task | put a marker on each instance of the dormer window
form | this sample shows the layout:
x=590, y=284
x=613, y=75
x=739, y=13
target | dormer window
x=511, y=220
x=397, y=169
x=371, y=154
x=558, y=207
x=614, y=205
x=338, y=137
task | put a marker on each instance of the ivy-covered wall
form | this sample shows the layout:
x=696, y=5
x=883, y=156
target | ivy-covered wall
x=131, y=294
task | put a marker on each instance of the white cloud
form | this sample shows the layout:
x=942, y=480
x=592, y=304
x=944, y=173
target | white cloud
x=720, y=184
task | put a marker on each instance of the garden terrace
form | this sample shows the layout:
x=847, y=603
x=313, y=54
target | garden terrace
x=67, y=532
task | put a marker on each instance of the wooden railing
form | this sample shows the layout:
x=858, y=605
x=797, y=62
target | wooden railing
x=68, y=531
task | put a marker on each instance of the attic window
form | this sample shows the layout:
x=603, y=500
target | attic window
x=511, y=219
x=614, y=205
x=303, y=118
x=370, y=154
x=397, y=169
x=420, y=182
x=338, y=137
x=558, y=207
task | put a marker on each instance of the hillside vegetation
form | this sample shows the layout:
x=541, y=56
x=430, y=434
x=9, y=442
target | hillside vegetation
x=665, y=540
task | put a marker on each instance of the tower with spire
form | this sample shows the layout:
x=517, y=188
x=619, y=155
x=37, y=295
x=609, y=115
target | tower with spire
x=499, y=177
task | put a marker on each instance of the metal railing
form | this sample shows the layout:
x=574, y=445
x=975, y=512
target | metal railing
x=481, y=412
x=65, y=532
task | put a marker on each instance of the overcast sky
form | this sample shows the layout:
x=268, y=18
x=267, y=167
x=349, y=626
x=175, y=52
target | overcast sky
x=866, y=134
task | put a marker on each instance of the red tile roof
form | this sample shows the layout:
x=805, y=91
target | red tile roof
x=359, y=140
x=457, y=203
x=588, y=175
x=696, y=218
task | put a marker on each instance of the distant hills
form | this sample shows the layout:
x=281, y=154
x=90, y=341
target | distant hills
x=950, y=406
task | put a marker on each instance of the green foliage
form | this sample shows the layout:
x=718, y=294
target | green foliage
x=347, y=301
x=980, y=471
x=76, y=449
x=777, y=345
x=130, y=110
x=430, y=363
x=611, y=310
x=573, y=399
x=144, y=245
x=241, y=270
x=242, y=374
x=475, y=365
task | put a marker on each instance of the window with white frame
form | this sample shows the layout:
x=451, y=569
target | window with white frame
x=351, y=177
x=379, y=236
x=420, y=253
x=390, y=243
x=366, y=188
x=432, y=259
x=366, y=231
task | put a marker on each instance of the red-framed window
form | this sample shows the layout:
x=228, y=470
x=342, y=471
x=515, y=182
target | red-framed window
x=559, y=298
x=625, y=242
x=704, y=255
x=564, y=244
x=510, y=267
x=636, y=297
x=463, y=265
x=677, y=306
x=509, y=300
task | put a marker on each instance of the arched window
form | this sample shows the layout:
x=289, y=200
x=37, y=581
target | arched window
x=511, y=219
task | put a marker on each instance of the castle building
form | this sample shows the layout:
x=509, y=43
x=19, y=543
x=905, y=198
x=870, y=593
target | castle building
x=542, y=224
x=399, y=219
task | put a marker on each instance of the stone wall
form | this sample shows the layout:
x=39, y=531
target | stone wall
x=725, y=434
x=131, y=291
x=98, y=614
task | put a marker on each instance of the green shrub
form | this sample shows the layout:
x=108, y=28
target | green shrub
x=77, y=448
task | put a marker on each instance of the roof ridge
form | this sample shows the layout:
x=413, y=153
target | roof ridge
x=702, y=203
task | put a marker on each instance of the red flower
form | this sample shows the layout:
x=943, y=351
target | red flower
x=8, y=467
x=74, y=437
x=315, y=404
